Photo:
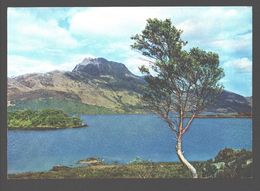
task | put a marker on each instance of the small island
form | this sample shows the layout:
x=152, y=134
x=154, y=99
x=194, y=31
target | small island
x=42, y=120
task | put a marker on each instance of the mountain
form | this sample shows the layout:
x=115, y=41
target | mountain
x=95, y=85
x=250, y=100
x=98, y=67
x=229, y=102
x=107, y=74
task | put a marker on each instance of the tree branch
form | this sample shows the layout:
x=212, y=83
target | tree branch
x=188, y=124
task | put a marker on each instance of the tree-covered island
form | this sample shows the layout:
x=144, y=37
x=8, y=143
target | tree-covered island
x=42, y=119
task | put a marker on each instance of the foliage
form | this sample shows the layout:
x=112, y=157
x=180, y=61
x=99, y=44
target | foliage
x=181, y=81
x=47, y=118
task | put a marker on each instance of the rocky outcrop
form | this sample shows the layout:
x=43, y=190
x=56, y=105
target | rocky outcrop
x=101, y=67
x=59, y=168
x=229, y=163
x=92, y=161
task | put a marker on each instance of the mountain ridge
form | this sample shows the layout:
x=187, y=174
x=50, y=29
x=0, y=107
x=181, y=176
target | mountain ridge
x=102, y=83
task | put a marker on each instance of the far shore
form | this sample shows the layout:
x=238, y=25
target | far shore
x=46, y=128
x=217, y=115
x=222, y=116
x=214, y=116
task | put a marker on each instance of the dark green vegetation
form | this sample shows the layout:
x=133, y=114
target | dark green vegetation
x=67, y=105
x=227, y=164
x=76, y=107
x=42, y=119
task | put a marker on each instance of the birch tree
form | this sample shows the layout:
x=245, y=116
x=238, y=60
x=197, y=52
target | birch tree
x=180, y=84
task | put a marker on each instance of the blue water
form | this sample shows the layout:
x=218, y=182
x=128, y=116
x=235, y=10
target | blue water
x=122, y=138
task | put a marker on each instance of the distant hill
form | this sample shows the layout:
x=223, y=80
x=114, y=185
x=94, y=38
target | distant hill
x=250, y=100
x=95, y=85
x=230, y=102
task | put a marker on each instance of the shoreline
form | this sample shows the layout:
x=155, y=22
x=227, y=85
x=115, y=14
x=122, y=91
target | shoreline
x=140, y=170
x=220, y=116
x=45, y=128
x=198, y=116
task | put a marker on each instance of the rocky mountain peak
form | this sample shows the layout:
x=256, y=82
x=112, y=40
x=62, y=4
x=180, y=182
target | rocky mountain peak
x=90, y=60
x=100, y=66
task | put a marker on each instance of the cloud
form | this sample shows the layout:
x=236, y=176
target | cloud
x=27, y=32
x=238, y=75
x=240, y=44
x=217, y=22
x=123, y=21
x=224, y=30
x=18, y=65
x=242, y=65
x=112, y=21
x=134, y=61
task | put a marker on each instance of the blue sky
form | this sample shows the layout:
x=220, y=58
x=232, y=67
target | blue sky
x=47, y=39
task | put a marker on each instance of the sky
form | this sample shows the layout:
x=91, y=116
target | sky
x=46, y=39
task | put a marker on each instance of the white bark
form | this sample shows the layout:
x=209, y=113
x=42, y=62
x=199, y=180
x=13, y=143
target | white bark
x=183, y=159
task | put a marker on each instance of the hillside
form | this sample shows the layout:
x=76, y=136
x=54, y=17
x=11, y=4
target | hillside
x=95, y=85
x=94, y=82
x=230, y=102
x=250, y=100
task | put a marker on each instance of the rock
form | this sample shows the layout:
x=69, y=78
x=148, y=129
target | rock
x=91, y=161
x=229, y=163
x=219, y=165
x=101, y=66
x=59, y=167
x=249, y=161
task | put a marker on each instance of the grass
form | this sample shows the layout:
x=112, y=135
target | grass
x=146, y=170
x=235, y=164
x=67, y=105
x=73, y=107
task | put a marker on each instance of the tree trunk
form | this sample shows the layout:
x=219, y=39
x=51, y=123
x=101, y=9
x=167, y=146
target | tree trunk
x=183, y=159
